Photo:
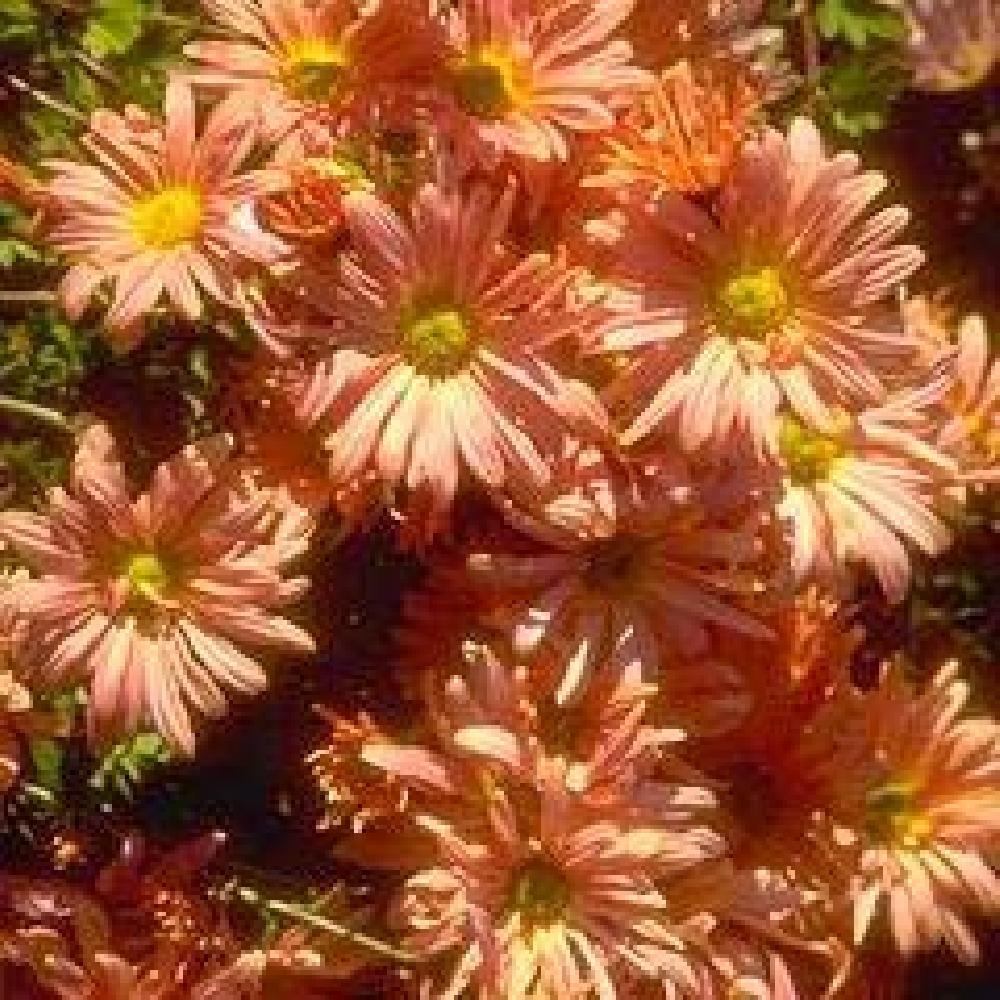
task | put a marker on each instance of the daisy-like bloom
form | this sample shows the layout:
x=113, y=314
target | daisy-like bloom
x=548, y=875
x=857, y=489
x=436, y=373
x=289, y=61
x=684, y=132
x=162, y=213
x=786, y=293
x=149, y=597
x=624, y=553
x=953, y=44
x=526, y=77
x=917, y=779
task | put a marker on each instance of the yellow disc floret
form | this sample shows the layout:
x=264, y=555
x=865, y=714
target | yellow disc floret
x=167, y=218
x=753, y=303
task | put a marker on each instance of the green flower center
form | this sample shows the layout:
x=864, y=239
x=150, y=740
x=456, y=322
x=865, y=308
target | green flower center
x=147, y=576
x=808, y=455
x=436, y=339
x=539, y=892
x=167, y=218
x=313, y=69
x=893, y=815
x=753, y=303
x=489, y=83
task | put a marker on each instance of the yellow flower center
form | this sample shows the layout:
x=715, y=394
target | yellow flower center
x=436, y=339
x=893, y=815
x=753, y=303
x=168, y=217
x=490, y=82
x=147, y=576
x=539, y=892
x=313, y=69
x=808, y=455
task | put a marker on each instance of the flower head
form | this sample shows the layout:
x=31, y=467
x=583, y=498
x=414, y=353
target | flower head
x=858, y=489
x=787, y=294
x=287, y=62
x=629, y=565
x=150, y=597
x=918, y=781
x=159, y=214
x=524, y=79
x=437, y=373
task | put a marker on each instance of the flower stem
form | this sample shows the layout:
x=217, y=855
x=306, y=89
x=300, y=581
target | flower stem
x=43, y=98
x=35, y=411
x=304, y=915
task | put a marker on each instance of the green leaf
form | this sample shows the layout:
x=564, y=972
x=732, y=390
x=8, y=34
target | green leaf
x=47, y=760
x=858, y=22
x=114, y=27
x=129, y=763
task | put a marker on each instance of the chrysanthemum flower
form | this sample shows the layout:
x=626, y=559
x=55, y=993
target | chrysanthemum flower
x=159, y=214
x=437, y=373
x=857, y=489
x=624, y=557
x=684, y=132
x=289, y=61
x=549, y=875
x=919, y=784
x=526, y=77
x=953, y=44
x=150, y=597
x=787, y=293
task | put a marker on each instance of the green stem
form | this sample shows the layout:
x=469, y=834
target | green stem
x=35, y=411
x=43, y=98
x=304, y=915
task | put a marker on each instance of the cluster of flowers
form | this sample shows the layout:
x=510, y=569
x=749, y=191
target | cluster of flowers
x=549, y=253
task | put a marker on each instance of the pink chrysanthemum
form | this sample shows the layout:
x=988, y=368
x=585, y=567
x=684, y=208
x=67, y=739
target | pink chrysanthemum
x=919, y=783
x=437, y=373
x=161, y=214
x=548, y=875
x=525, y=77
x=626, y=556
x=786, y=293
x=149, y=597
x=857, y=489
x=290, y=61
x=953, y=44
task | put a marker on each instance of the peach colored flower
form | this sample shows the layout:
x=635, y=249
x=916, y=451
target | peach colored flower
x=684, y=132
x=287, y=62
x=629, y=564
x=437, y=374
x=525, y=78
x=548, y=875
x=150, y=597
x=786, y=293
x=857, y=489
x=161, y=213
x=952, y=44
x=918, y=779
